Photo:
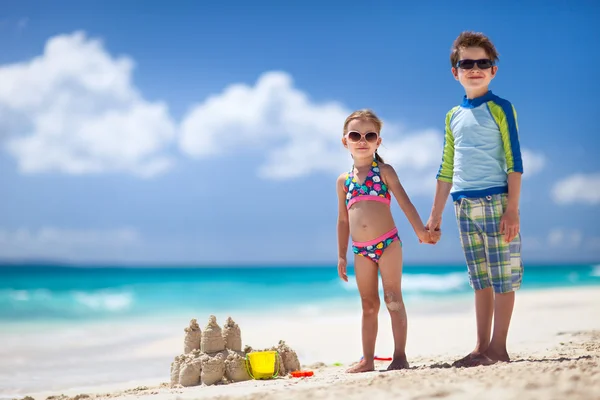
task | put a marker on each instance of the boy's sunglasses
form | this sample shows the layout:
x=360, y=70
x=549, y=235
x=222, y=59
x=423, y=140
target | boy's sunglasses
x=469, y=64
x=354, y=137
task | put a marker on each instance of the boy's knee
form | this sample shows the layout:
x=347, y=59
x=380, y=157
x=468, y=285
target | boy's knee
x=370, y=305
x=504, y=290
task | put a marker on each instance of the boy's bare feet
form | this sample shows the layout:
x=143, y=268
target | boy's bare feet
x=497, y=355
x=362, y=366
x=398, y=363
x=473, y=360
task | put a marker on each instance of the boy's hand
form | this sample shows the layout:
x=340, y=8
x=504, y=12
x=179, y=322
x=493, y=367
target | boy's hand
x=435, y=235
x=424, y=236
x=434, y=223
x=434, y=227
x=509, y=225
x=342, y=263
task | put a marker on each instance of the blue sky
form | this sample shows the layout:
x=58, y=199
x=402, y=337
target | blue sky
x=209, y=133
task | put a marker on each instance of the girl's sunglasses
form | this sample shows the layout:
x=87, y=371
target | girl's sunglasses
x=355, y=137
x=469, y=64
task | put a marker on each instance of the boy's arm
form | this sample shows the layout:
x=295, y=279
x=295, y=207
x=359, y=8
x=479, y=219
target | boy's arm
x=509, y=223
x=442, y=191
x=444, y=178
x=506, y=117
x=509, y=131
x=343, y=226
x=514, y=191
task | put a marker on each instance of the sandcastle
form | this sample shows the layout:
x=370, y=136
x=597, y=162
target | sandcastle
x=215, y=355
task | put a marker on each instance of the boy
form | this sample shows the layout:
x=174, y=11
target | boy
x=481, y=168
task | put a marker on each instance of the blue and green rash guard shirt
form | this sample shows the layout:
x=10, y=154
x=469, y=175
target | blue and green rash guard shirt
x=481, y=147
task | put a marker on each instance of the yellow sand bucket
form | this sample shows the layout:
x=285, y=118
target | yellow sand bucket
x=262, y=364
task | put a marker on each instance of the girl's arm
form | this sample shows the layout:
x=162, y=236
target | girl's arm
x=343, y=226
x=390, y=178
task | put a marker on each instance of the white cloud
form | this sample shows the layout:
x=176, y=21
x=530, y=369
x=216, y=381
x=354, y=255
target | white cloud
x=75, y=110
x=578, y=188
x=533, y=242
x=593, y=243
x=51, y=242
x=533, y=162
x=297, y=135
x=565, y=238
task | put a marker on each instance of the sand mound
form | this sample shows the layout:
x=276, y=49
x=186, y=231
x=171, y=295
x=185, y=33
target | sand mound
x=235, y=367
x=212, y=337
x=190, y=374
x=213, y=369
x=175, y=369
x=214, y=355
x=193, y=334
x=232, y=335
x=288, y=358
x=190, y=368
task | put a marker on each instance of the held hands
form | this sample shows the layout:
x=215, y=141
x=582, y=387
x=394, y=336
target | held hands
x=425, y=236
x=509, y=225
x=342, y=263
x=436, y=235
x=433, y=229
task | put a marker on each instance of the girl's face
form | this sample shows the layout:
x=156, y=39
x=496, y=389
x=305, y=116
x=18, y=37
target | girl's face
x=361, y=138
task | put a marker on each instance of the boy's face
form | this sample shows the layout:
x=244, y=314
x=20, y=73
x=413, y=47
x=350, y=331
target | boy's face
x=474, y=78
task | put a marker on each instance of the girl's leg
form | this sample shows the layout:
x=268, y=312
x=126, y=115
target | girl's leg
x=390, y=265
x=368, y=287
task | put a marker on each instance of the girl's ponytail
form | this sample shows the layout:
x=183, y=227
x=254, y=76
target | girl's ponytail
x=378, y=157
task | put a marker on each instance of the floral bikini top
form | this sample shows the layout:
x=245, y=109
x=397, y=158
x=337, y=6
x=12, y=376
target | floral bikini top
x=372, y=188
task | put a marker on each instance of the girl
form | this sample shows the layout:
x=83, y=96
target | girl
x=364, y=196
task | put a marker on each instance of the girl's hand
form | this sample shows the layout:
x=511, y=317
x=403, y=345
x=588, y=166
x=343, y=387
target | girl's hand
x=342, y=263
x=435, y=235
x=424, y=236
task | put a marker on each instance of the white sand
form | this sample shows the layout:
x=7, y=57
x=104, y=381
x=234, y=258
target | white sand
x=554, y=343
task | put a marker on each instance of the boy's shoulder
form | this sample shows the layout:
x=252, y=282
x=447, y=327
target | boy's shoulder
x=488, y=98
x=502, y=102
x=495, y=103
x=451, y=112
x=502, y=109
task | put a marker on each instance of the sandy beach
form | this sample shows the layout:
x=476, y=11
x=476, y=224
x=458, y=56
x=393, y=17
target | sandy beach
x=554, y=345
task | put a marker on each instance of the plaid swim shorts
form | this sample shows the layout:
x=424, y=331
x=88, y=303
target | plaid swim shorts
x=490, y=260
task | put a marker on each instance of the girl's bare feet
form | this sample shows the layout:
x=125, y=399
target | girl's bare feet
x=362, y=366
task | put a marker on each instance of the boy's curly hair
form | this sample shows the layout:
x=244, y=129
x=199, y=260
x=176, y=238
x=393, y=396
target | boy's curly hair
x=472, y=39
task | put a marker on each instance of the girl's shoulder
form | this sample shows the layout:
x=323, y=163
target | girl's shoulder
x=386, y=168
x=341, y=179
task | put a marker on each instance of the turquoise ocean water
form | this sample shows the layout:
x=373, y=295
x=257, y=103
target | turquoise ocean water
x=74, y=327
x=68, y=294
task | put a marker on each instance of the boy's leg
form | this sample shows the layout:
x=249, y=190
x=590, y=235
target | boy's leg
x=506, y=268
x=503, y=308
x=484, y=312
x=470, y=214
x=390, y=265
x=367, y=280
